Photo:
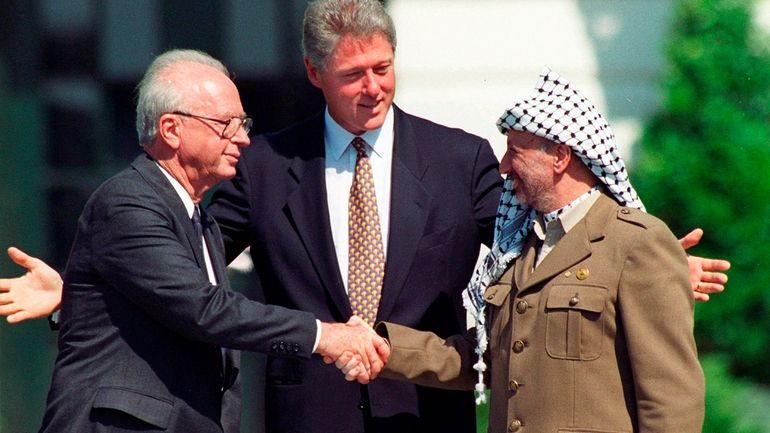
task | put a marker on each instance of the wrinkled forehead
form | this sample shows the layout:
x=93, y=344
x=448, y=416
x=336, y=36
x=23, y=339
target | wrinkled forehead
x=207, y=88
x=349, y=46
x=359, y=39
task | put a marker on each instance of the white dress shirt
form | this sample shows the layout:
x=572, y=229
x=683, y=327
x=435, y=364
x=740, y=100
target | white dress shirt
x=190, y=207
x=340, y=168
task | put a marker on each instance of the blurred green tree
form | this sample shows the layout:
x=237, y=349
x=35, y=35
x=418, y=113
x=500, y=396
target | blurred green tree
x=727, y=398
x=704, y=161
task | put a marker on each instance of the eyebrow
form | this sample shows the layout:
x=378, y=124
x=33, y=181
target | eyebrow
x=230, y=115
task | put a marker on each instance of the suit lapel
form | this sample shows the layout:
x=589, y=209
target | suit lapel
x=307, y=209
x=151, y=173
x=149, y=170
x=408, y=211
x=575, y=246
x=572, y=248
x=523, y=266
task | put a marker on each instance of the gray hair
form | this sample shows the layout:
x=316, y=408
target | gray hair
x=155, y=97
x=326, y=21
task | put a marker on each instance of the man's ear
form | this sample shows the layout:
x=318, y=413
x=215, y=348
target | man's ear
x=312, y=73
x=169, y=129
x=561, y=158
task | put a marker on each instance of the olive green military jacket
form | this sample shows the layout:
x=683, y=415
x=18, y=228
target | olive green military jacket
x=598, y=338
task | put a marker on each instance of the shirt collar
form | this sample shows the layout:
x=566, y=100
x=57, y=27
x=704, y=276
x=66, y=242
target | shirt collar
x=338, y=138
x=569, y=215
x=181, y=192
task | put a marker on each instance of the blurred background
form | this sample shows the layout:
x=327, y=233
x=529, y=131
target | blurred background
x=684, y=83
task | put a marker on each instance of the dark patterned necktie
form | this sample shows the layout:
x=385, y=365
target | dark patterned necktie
x=198, y=225
x=196, y=220
x=366, y=260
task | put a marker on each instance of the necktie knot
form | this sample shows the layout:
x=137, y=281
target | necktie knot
x=196, y=220
x=359, y=145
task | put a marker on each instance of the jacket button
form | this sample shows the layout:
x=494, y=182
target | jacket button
x=515, y=425
x=363, y=404
x=518, y=346
x=513, y=386
x=574, y=301
x=521, y=307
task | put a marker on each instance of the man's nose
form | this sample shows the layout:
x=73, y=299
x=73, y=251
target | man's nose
x=371, y=85
x=505, y=164
x=241, y=138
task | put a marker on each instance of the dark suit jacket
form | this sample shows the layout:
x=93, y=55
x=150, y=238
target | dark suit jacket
x=445, y=190
x=141, y=326
x=597, y=339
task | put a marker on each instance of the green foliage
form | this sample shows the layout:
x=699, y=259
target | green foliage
x=704, y=161
x=726, y=398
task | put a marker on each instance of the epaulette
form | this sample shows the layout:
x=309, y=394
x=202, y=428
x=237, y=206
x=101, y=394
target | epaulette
x=633, y=216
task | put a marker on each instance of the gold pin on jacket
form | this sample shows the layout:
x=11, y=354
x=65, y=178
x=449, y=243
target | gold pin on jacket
x=582, y=273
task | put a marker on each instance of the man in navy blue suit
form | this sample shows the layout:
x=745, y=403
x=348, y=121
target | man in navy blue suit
x=436, y=190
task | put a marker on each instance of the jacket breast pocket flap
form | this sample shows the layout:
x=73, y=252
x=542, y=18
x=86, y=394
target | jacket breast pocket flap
x=574, y=321
x=152, y=410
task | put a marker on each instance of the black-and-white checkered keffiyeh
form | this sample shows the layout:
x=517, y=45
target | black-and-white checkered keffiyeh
x=559, y=113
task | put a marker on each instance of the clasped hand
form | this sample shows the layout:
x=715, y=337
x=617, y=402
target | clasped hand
x=354, y=342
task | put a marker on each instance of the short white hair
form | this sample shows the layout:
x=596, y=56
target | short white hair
x=154, y=97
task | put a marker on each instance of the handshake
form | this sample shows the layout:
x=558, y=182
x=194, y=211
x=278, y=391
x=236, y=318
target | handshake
x=354, y=348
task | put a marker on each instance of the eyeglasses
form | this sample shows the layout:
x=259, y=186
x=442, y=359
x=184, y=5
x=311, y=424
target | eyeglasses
x=231, y=126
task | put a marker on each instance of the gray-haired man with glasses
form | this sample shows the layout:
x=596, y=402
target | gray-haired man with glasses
x=148, y=320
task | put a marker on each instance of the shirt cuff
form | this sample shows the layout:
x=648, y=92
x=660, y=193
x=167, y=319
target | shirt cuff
x=53, y=320
x=317, y=335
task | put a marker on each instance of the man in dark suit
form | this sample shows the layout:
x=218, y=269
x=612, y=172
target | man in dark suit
x=436, y=190
x=147, y=311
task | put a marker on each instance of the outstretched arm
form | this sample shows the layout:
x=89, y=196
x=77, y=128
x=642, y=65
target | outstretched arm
x=706, y=275
x=422, y=358
x=33, y=295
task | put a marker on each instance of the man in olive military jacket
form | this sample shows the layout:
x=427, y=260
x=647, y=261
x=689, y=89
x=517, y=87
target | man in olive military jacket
x=590, y=318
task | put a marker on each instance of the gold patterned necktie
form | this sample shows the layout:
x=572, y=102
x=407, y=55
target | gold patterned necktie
x=366, y=260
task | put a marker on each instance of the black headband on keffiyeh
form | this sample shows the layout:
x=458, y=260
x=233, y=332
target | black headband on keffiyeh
x=559, y=113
